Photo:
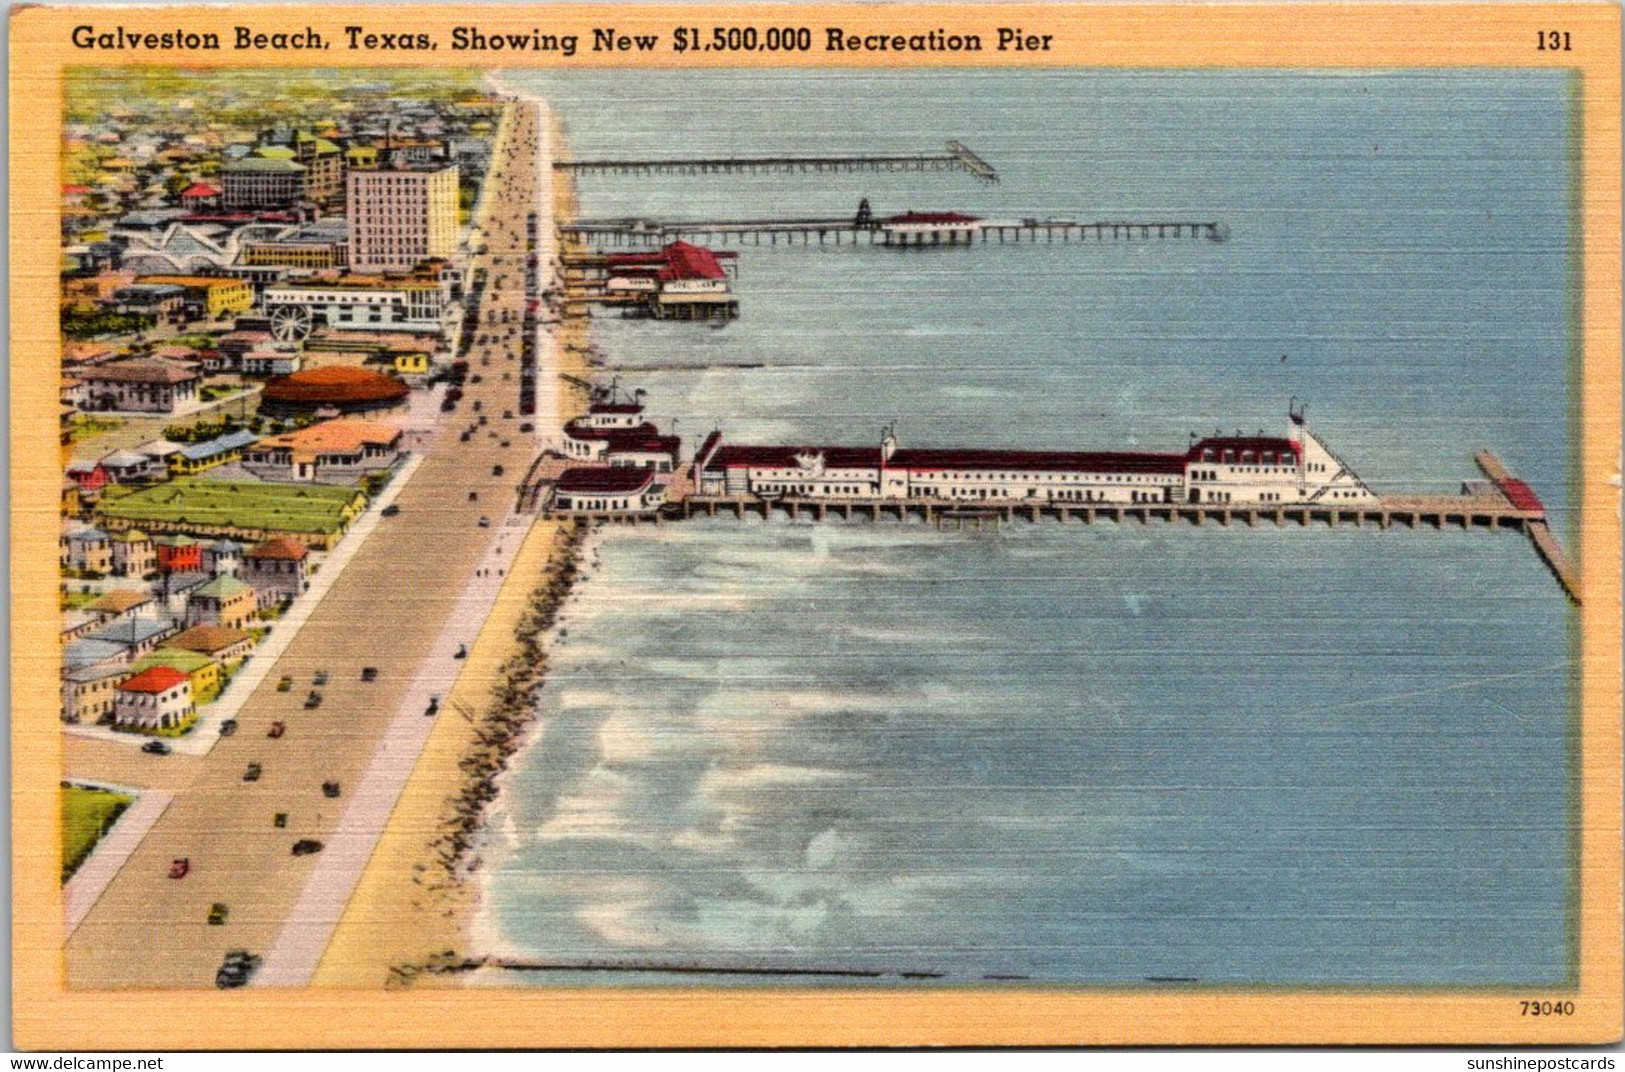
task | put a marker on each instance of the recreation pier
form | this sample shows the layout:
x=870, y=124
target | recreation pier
x=616, y=466
x=958, y=157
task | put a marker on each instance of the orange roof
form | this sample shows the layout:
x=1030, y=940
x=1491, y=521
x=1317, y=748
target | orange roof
x=280, y=548
x=207, y=639
x=154, y=679
x=193, y=280
x=333, y=437
x=334, y=383
x=120, y=600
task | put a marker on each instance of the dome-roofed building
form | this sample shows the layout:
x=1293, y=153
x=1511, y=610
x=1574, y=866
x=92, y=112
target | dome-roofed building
x=343, y=388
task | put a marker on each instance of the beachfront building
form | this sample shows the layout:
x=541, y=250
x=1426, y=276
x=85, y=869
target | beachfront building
x=140, y=385
x=420, y=300
x=222, y=601
x=159, y=698
x=275, y=570
x=679, y=281
x=1217, y=470
x=606, y=491
x=332, y=452
x=613, y=424
x=401, y=216
x=929, y=229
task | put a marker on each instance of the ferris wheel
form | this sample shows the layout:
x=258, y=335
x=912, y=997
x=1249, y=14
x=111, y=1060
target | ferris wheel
x=291, y=323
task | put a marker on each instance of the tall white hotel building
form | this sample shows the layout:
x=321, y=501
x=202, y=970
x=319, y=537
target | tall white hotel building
x=399, y=217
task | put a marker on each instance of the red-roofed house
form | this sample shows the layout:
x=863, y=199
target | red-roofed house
x=158, y=698
x=200, y=195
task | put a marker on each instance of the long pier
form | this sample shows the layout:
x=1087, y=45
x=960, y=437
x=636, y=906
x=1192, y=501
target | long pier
x=1504, y=503
x=771, y=232
x=957, y=157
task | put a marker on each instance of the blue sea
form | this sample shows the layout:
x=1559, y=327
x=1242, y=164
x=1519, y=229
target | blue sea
x=1088, y=755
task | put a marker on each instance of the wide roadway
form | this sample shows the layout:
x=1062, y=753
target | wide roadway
x=384, y=611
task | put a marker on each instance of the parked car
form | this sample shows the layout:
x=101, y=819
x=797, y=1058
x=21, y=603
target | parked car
x=179, y=866
x=228, y=727
x=217, y=914
x=252, y=774
x=306, y=847
x=390, y=511
x=277, y=729
x=236, y=969
x=285, y=684
x=155, y=748
x=485, y=522
x=433, y=708
x=496, y=470
x=279, y=820
x=369, y=673
x=313, y=701
x=320, y=679
x=330, y=790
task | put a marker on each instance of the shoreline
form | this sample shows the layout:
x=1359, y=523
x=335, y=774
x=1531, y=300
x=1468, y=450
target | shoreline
x=418, y=901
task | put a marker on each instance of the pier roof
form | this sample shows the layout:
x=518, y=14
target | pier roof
x=1040, y=461
x=743, y=457
x=582, y=481
x=1238, y=444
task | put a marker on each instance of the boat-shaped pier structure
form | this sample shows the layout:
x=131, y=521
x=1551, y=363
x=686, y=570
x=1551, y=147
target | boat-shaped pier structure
x=616, y=467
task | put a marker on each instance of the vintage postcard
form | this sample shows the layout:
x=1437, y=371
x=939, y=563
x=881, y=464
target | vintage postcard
x=870, y=525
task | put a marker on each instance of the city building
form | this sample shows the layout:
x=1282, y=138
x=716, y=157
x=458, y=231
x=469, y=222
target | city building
x=200, y=196
x=178, y=554
x=221, y=643
x=275, y=570
x=90, y=551
x=197, y=457
x=261, y=182
x=202, y=672
x=133, y=553
x=323, y=162
x=159, y=698
x=88, y=694
x=223, y=601
x=212, y=296
x=223, y=556
x=140, y=385
x=401, y=216
x=334, y=452
x=119, y=603
x=420, y=300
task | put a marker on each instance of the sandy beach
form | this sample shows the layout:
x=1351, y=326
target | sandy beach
x=416, y=901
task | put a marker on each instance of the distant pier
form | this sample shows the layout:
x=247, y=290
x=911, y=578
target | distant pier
x=957, y=157
x=806, y=232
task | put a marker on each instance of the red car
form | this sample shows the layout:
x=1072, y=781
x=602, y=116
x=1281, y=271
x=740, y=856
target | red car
x=179, y=868
x=277, y=729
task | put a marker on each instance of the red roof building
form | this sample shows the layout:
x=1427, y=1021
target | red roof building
x=156, y=679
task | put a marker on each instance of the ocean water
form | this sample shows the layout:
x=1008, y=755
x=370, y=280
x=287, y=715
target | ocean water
x=1078, y=754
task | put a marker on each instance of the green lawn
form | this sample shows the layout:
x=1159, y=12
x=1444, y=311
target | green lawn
x=213, y=504
x=87, y=814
